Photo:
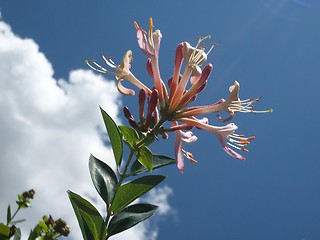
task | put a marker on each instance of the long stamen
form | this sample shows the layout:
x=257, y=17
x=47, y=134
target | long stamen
x=246, y=106
x=238, y=141
x=196, y=55
x=99, y=69
x=150, y=38
x=189, y=155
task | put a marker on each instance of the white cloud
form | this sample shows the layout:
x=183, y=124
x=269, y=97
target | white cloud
x=48, y=129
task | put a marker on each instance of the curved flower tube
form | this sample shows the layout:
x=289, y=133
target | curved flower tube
x=121, y=72
x=225, y=135
x=181, y=137
x=150, y=47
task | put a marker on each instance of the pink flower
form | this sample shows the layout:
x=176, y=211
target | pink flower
x=150, y=47
x=150, y=44
x=181, y=137
x=172, y=104
x=225, y=135
x=121, y=72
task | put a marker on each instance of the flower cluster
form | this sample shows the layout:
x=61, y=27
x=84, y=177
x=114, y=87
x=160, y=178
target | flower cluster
x=170, y=103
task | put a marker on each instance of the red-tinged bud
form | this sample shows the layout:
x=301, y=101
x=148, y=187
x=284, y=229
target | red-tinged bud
x=194, y=97
x=170, y=82
x=179, y=56
x=165, y=135
x=205, y=74
x=133, y=123
x=142, y=98
x=152, y=103
x=251, y=138
x=149, y=67
x=127, y=113
x=203, y=86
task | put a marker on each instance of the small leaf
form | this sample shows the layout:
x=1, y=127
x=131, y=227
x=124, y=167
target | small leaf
x=158, y=162
x=17, y=235
x=35, y=233
x=104, y=179
x=130, y=216
x=8, y=214
x=130, y=136
x=114, y=136
x=145, y=157
x=17, y=221
x=4, y=231
x=90, y=221
x=129, y=192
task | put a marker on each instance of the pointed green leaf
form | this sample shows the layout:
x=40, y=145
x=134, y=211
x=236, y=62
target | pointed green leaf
x=17, y=221
x=130, y=136
x=158, y=162
x=90, y=221
x=130, y=216
x=129, y=192
x=104, y=179
x=8, y=214
x=114, y=136
x=145, y=157
x=34, y=233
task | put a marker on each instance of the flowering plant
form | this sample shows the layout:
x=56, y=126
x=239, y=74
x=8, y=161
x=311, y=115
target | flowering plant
x=163, y=104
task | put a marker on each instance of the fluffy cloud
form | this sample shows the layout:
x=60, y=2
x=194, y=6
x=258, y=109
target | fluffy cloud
x=48, y=129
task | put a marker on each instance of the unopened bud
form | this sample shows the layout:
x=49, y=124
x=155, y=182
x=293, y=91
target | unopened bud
x=165, y=135
x=142, y=98
x=62, y=227
x=12, y=232
x=149, y=67
x=152, y=103
x=127, y=113
x=28, y=194
x=133, y=123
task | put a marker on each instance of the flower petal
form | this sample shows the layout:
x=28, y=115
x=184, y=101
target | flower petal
x=124, y=90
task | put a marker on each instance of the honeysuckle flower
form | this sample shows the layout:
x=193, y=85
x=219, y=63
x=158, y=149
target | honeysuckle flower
x=226, y=136
x=150, y=47
x=121, y=72
x=194, y=58
x=172, y=105
x=234, y=104
x=181, y=137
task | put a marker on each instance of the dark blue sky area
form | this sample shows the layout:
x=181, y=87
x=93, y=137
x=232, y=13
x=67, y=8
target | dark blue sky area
x=270, y=47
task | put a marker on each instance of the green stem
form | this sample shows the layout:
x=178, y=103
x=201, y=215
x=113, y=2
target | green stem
x=124, y=175
x=153, y=131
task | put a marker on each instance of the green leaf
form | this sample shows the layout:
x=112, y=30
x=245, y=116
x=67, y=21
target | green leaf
x=145, y=157
x=158, y=162
x=114, y=136
x=104, y=179
x=129, y=192
x=130, y=216
x=4, y=231
x=35, y=233
x=90, y=221
x=17, y=235
x=8, y=214
x=17, y=221
x=130, y=136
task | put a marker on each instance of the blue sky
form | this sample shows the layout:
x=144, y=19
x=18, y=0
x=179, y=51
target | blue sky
x=271, y=47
